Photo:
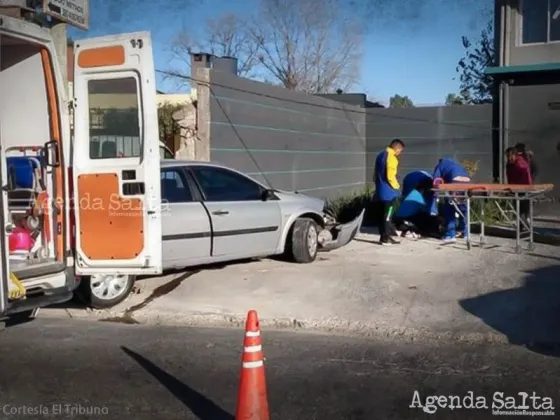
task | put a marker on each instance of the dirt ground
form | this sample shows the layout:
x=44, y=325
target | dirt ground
x=416, y=290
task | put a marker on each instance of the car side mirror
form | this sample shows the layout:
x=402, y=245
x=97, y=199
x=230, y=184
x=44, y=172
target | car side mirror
x=267, y=195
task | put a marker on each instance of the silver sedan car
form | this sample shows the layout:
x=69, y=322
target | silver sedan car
x=212, y=213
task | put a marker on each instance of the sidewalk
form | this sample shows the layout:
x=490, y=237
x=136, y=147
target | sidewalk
x=414, y=291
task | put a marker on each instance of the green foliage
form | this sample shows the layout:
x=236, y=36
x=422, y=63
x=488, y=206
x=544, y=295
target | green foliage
x=470, y=165
x=453, y=99
x=492, y=214
x=346, y=208
x=117, y=122
x=476, y=86
x=399, y=101
x=167, y=125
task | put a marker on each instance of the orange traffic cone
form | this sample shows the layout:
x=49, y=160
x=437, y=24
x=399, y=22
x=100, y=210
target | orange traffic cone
x=252, y=401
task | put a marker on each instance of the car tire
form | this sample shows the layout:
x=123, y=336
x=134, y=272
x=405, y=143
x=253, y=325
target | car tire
x=304, y=243
x=103, y=291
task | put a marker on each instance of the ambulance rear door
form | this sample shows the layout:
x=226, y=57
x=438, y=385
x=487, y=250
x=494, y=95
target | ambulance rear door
x=116, y=162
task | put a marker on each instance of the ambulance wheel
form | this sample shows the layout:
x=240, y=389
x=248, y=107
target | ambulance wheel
x=102, y=291
x=303, y=241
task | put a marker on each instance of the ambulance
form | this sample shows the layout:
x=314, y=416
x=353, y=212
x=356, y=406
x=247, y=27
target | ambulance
x=74, y=205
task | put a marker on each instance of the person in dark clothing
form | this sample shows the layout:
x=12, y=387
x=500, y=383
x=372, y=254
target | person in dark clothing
x=529, y=157
x=387, y=188
x=518, y=172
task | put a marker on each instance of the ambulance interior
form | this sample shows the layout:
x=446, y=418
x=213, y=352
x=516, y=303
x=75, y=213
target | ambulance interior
x=29, y=168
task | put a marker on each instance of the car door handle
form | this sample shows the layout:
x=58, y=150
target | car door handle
x=220, y=212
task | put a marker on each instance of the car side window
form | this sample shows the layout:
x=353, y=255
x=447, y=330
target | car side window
x=220, y=184
x=174, y=187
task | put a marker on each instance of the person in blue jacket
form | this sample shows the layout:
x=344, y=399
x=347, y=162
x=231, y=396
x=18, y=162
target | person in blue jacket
x=387, y=188
x=414, y=215
x=450, y=171
x=418, y=180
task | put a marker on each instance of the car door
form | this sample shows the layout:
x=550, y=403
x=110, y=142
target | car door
x=117, y=195
x=185, y=222
x=243, y=224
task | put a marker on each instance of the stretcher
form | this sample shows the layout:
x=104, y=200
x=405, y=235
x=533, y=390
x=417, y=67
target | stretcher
x=506, y=197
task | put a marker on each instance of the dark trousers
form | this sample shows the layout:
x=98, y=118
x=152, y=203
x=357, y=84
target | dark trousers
x=385, y=222
x=524, y=207
x=422, y=223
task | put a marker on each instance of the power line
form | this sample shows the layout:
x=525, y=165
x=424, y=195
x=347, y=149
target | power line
x=342, y=107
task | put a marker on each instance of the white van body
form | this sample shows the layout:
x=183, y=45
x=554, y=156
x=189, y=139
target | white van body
x=49, y=179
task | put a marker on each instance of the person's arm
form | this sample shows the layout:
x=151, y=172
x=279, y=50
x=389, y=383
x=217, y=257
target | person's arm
x=437, y=172
x=392, y=167
x=526, y=173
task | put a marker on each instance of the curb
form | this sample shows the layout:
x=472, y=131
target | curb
x=509, y=234
x=338, y=326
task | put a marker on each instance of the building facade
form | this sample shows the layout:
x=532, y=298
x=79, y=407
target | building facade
x=527, y=83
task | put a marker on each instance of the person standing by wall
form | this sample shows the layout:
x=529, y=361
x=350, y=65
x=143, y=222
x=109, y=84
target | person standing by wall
x=452, y=172
x=518, y=172
x=529, y=157
x=387, y=188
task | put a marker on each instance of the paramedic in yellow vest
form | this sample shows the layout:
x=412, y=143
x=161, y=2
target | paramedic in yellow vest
x=387, y=188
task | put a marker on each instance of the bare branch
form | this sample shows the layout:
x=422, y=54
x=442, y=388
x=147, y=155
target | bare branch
x=307, y=46
x=226, y=36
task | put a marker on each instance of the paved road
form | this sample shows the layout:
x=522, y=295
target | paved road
x=121, y=371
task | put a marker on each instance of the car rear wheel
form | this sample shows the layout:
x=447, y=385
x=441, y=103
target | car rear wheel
x=103, y=291
x=304, y=241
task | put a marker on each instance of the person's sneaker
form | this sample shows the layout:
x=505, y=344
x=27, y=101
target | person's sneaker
x=460, y=235
x=448, y=240
x=390, y=241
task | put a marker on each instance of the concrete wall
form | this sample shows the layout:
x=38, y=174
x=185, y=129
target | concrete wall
x=324, y=147
x=532, y=122
x=429, y=133
x=295, y=141
x=515, y=52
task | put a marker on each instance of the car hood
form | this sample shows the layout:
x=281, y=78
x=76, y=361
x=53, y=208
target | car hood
x=314, y=203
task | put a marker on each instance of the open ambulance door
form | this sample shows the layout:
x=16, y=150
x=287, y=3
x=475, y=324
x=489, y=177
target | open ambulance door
x=6, y=226
x=116, y=163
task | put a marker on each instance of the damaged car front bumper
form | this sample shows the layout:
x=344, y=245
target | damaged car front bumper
x=336, y=235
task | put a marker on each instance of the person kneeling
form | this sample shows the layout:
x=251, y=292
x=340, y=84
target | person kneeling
x=413, y=217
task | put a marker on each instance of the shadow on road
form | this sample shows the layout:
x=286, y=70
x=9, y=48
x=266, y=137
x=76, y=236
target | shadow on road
x=527, y=315
x=201, y=407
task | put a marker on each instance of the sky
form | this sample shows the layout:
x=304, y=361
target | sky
x=413, y=53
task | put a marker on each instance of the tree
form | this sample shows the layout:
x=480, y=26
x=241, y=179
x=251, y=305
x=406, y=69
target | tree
x=302, y=45
x=476, y=86
x=399, y=101
x=307, y=46
x=226, y=36
x=454, y=99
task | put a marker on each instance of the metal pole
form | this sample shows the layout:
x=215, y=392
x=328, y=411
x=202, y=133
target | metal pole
x=468, y=223
x=530, y=224
x=517, y=223
x=482, y=225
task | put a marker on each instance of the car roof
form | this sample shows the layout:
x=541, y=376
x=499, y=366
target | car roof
x=169, y=163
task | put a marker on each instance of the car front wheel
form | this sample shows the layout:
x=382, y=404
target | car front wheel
x=304, y=241
x=102, y=291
